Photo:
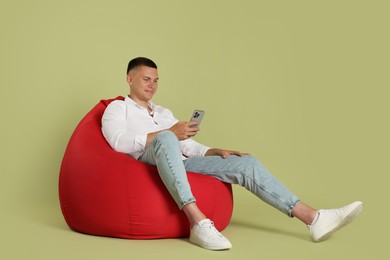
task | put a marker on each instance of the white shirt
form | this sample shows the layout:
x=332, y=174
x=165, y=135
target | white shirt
x=125, y=125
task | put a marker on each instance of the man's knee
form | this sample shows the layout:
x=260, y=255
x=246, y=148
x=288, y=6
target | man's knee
x=166, y=142
x=166, y=135
x=248, y=159
x=249, y=162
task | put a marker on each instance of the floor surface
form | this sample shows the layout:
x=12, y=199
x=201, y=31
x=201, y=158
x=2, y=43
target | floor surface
x=256, y=231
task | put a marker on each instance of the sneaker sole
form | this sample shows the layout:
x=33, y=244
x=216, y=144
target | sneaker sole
x=210, y=247
x=348, y=219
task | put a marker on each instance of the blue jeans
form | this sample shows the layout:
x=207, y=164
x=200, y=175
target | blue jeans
x=164, y=152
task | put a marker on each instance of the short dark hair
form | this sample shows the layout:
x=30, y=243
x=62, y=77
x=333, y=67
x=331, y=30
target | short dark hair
x=140, y=61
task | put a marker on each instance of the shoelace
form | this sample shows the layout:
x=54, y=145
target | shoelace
x=210, y=230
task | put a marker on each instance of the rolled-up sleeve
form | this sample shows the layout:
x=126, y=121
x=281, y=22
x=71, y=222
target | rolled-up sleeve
x=191, y=148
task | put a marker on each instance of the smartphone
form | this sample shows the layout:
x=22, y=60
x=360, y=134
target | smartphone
x=197, y=116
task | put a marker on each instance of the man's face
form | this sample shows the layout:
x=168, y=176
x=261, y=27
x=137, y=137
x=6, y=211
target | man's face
x=143, y=83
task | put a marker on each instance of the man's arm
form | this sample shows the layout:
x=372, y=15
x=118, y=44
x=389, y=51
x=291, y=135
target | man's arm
x=182, y=130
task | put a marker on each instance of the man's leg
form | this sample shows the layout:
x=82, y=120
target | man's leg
x=164, y=152
x=249, y=173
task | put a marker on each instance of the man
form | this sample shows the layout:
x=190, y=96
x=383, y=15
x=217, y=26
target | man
x=151, y=134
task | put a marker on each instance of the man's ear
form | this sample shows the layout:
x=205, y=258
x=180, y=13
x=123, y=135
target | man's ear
x=129, y=79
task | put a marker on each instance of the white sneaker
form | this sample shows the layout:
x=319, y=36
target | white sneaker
x=205, y=235
x=329, y=221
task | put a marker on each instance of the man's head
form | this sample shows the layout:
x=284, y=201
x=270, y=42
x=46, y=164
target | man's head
x=140, y=61
x=142, y=78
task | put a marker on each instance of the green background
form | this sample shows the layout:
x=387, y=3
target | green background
x=302, y=85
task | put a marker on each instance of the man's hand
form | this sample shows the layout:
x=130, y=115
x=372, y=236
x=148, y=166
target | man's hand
x=223, y=153
x=184, y=130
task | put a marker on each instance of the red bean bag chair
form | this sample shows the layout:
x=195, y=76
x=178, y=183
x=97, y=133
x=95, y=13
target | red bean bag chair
x=106, y=193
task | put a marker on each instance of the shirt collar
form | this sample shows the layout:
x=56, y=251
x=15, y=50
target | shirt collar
x=132, y=102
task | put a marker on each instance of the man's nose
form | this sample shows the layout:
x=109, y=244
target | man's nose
x=152, y=85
